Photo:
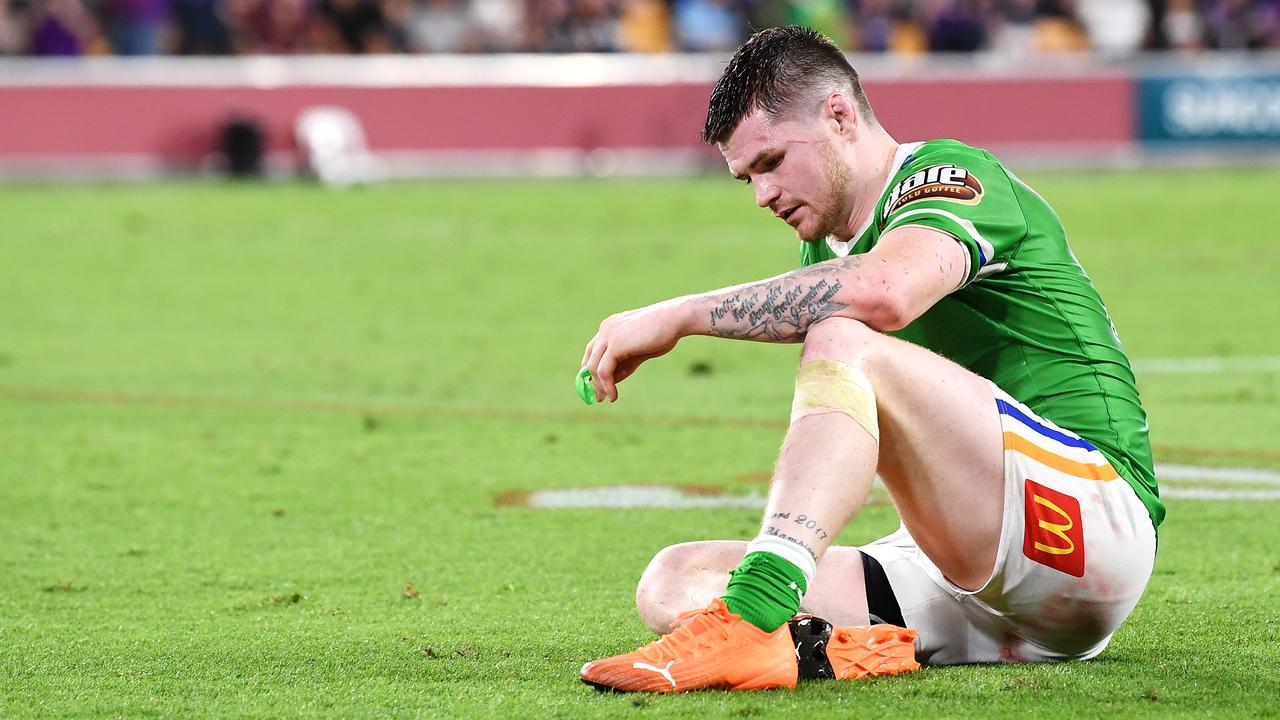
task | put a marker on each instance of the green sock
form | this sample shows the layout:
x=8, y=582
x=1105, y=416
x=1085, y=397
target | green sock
x=765, y=590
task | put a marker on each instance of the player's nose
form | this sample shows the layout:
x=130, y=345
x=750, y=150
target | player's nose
x=766, y=194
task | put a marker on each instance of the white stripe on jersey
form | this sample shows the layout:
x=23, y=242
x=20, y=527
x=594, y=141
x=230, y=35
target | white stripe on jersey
x=988, y=252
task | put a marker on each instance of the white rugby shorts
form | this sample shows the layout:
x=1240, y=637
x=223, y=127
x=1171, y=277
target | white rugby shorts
x=1076, y=551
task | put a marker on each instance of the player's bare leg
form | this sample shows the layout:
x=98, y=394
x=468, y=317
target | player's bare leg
x=941, y=451
x=866, y=400
x=743, y=640
x=940, y=455
x=941, y=458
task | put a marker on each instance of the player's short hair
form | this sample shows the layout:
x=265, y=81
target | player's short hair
x=780, y=70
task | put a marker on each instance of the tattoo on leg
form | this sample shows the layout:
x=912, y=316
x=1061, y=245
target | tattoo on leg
x=775, y=532
x=809, y=523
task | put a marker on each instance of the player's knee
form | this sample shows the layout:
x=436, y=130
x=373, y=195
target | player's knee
x=663, y=590
x=831, y=378
x=843, y=339
x=658, y=584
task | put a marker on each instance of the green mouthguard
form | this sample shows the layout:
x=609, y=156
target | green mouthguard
x=585, y=389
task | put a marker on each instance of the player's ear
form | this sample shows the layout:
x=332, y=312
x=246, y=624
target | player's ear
x=840, y=113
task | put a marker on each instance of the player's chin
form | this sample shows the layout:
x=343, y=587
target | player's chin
x=810, y=232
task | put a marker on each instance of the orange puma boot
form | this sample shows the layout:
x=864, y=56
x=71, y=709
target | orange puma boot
x=709, y=648
x=860, y=651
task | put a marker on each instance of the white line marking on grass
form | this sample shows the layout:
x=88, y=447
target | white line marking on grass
x=1198, y=493
x=1249, y=476
x=1176, y=481
x=638, y=496
x=1205, y=365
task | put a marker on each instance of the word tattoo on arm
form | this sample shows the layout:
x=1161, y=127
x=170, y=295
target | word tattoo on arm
x=782, y=309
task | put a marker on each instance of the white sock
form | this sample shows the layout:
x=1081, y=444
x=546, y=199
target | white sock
x=791, y=552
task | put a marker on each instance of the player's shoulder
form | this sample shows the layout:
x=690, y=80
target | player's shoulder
x=946, y=150
x=942, y=169
x=943, y=153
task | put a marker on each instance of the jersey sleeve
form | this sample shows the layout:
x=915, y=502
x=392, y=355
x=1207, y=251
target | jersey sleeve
x=965, y=195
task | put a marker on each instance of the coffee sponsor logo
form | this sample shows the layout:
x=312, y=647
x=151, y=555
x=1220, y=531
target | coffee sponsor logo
x=1053, y=534
x=936, y=182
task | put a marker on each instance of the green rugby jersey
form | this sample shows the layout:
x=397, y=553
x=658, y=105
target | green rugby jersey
x=1027, y=316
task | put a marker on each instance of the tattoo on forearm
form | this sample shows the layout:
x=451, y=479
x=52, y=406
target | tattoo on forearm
x=782, y=309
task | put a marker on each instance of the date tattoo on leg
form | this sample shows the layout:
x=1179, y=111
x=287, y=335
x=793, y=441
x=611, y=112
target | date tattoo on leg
x=782, y=525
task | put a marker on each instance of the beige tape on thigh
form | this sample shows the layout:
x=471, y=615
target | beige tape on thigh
x=826, y=386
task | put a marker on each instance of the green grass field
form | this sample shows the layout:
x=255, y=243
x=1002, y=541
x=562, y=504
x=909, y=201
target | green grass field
x=252, y=440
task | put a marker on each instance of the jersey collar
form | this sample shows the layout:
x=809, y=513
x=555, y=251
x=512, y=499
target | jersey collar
x=842, y=247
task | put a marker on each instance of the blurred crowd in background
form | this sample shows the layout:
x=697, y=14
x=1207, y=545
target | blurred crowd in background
x=1113, y=28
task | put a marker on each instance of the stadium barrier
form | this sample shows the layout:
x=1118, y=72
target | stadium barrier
x=121, y=118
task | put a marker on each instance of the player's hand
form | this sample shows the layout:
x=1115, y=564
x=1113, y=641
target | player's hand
x=626, y=340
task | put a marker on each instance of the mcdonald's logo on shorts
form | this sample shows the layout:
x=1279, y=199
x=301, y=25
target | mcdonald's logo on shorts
x=1053, y=534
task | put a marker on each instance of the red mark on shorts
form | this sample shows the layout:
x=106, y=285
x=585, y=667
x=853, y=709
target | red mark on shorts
x=1053, y=535
x=1011, y=648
